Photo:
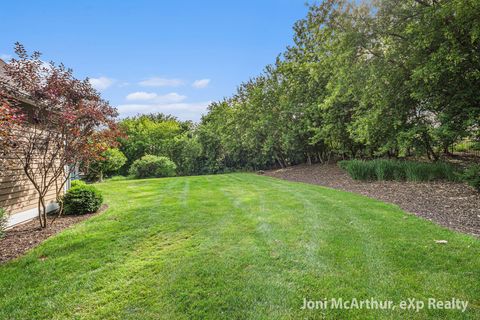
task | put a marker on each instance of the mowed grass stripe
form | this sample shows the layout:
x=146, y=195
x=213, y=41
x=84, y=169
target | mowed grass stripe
x=238, y=246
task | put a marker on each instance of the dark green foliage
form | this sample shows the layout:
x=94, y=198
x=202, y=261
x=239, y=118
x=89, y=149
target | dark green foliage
x=399, y=171
x=343, y=164
x=337, y=91
x=150, y=166
x=162, y=135
x=82, y=199
x=382, y=169
x=472, y=176
x=421, y=171
x=385, y=170
x=360, y=170
x=362, y=79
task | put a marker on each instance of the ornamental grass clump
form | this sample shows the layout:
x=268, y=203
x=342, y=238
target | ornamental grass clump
x=472, y=176
x=360, y=169
x=384, y=170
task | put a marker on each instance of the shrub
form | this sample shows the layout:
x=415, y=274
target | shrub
x=382, y=169
x=76, y=183
x=82, y=199
x=152, y=166
x=343, y=164
x=3, y=222
x=472, y=176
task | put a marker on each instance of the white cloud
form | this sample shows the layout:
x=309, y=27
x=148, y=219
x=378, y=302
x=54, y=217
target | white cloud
x=136, y=96
x=101, y=83
x=161, y=82
x=184, y=111
x=155, y=98
x=200, y=84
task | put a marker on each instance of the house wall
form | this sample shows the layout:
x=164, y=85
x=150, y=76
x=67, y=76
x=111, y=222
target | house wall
x=17, y=193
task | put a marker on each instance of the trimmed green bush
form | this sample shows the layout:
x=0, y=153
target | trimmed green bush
x=472, y=176
x=76, y=183
x=153, y=167
x=3, y=222
x=82, y=199
x=382, y=169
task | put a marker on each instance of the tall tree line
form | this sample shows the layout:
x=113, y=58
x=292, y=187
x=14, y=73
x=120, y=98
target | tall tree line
x=380, y=78
x=383, y=78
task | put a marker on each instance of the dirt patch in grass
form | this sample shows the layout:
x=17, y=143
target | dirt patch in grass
x=26, y=236
x=453, y=205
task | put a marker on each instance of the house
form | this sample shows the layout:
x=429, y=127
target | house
x=17, y=194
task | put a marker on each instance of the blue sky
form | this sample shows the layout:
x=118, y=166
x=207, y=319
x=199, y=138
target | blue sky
x=155, y=56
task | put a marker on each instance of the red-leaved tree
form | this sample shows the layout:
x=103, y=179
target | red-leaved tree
x=9, y=119
x=66, y=123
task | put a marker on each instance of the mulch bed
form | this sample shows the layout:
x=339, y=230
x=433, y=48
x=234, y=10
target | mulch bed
x=453, y=205
x=26, y=236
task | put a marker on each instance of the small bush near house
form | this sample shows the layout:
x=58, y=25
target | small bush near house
x=382, y=169
x=153, y=167
x=76, y=183
x=3, y=222
x=82, y=199
x=472, y=176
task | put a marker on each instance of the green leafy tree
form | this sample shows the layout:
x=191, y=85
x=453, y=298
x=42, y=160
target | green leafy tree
x=110, y=162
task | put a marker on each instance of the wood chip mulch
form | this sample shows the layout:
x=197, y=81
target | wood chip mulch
x=453, y=205
x=26, y=236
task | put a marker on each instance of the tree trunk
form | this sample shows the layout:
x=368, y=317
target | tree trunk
x=430, y=152
x=279, y=162
x=319, y=157
x=309, y=159
x=42, y=212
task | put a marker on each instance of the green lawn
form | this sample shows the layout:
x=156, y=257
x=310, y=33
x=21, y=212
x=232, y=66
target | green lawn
x=239, y=246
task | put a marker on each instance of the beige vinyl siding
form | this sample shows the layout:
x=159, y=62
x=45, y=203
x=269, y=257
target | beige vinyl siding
x=17, y=193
